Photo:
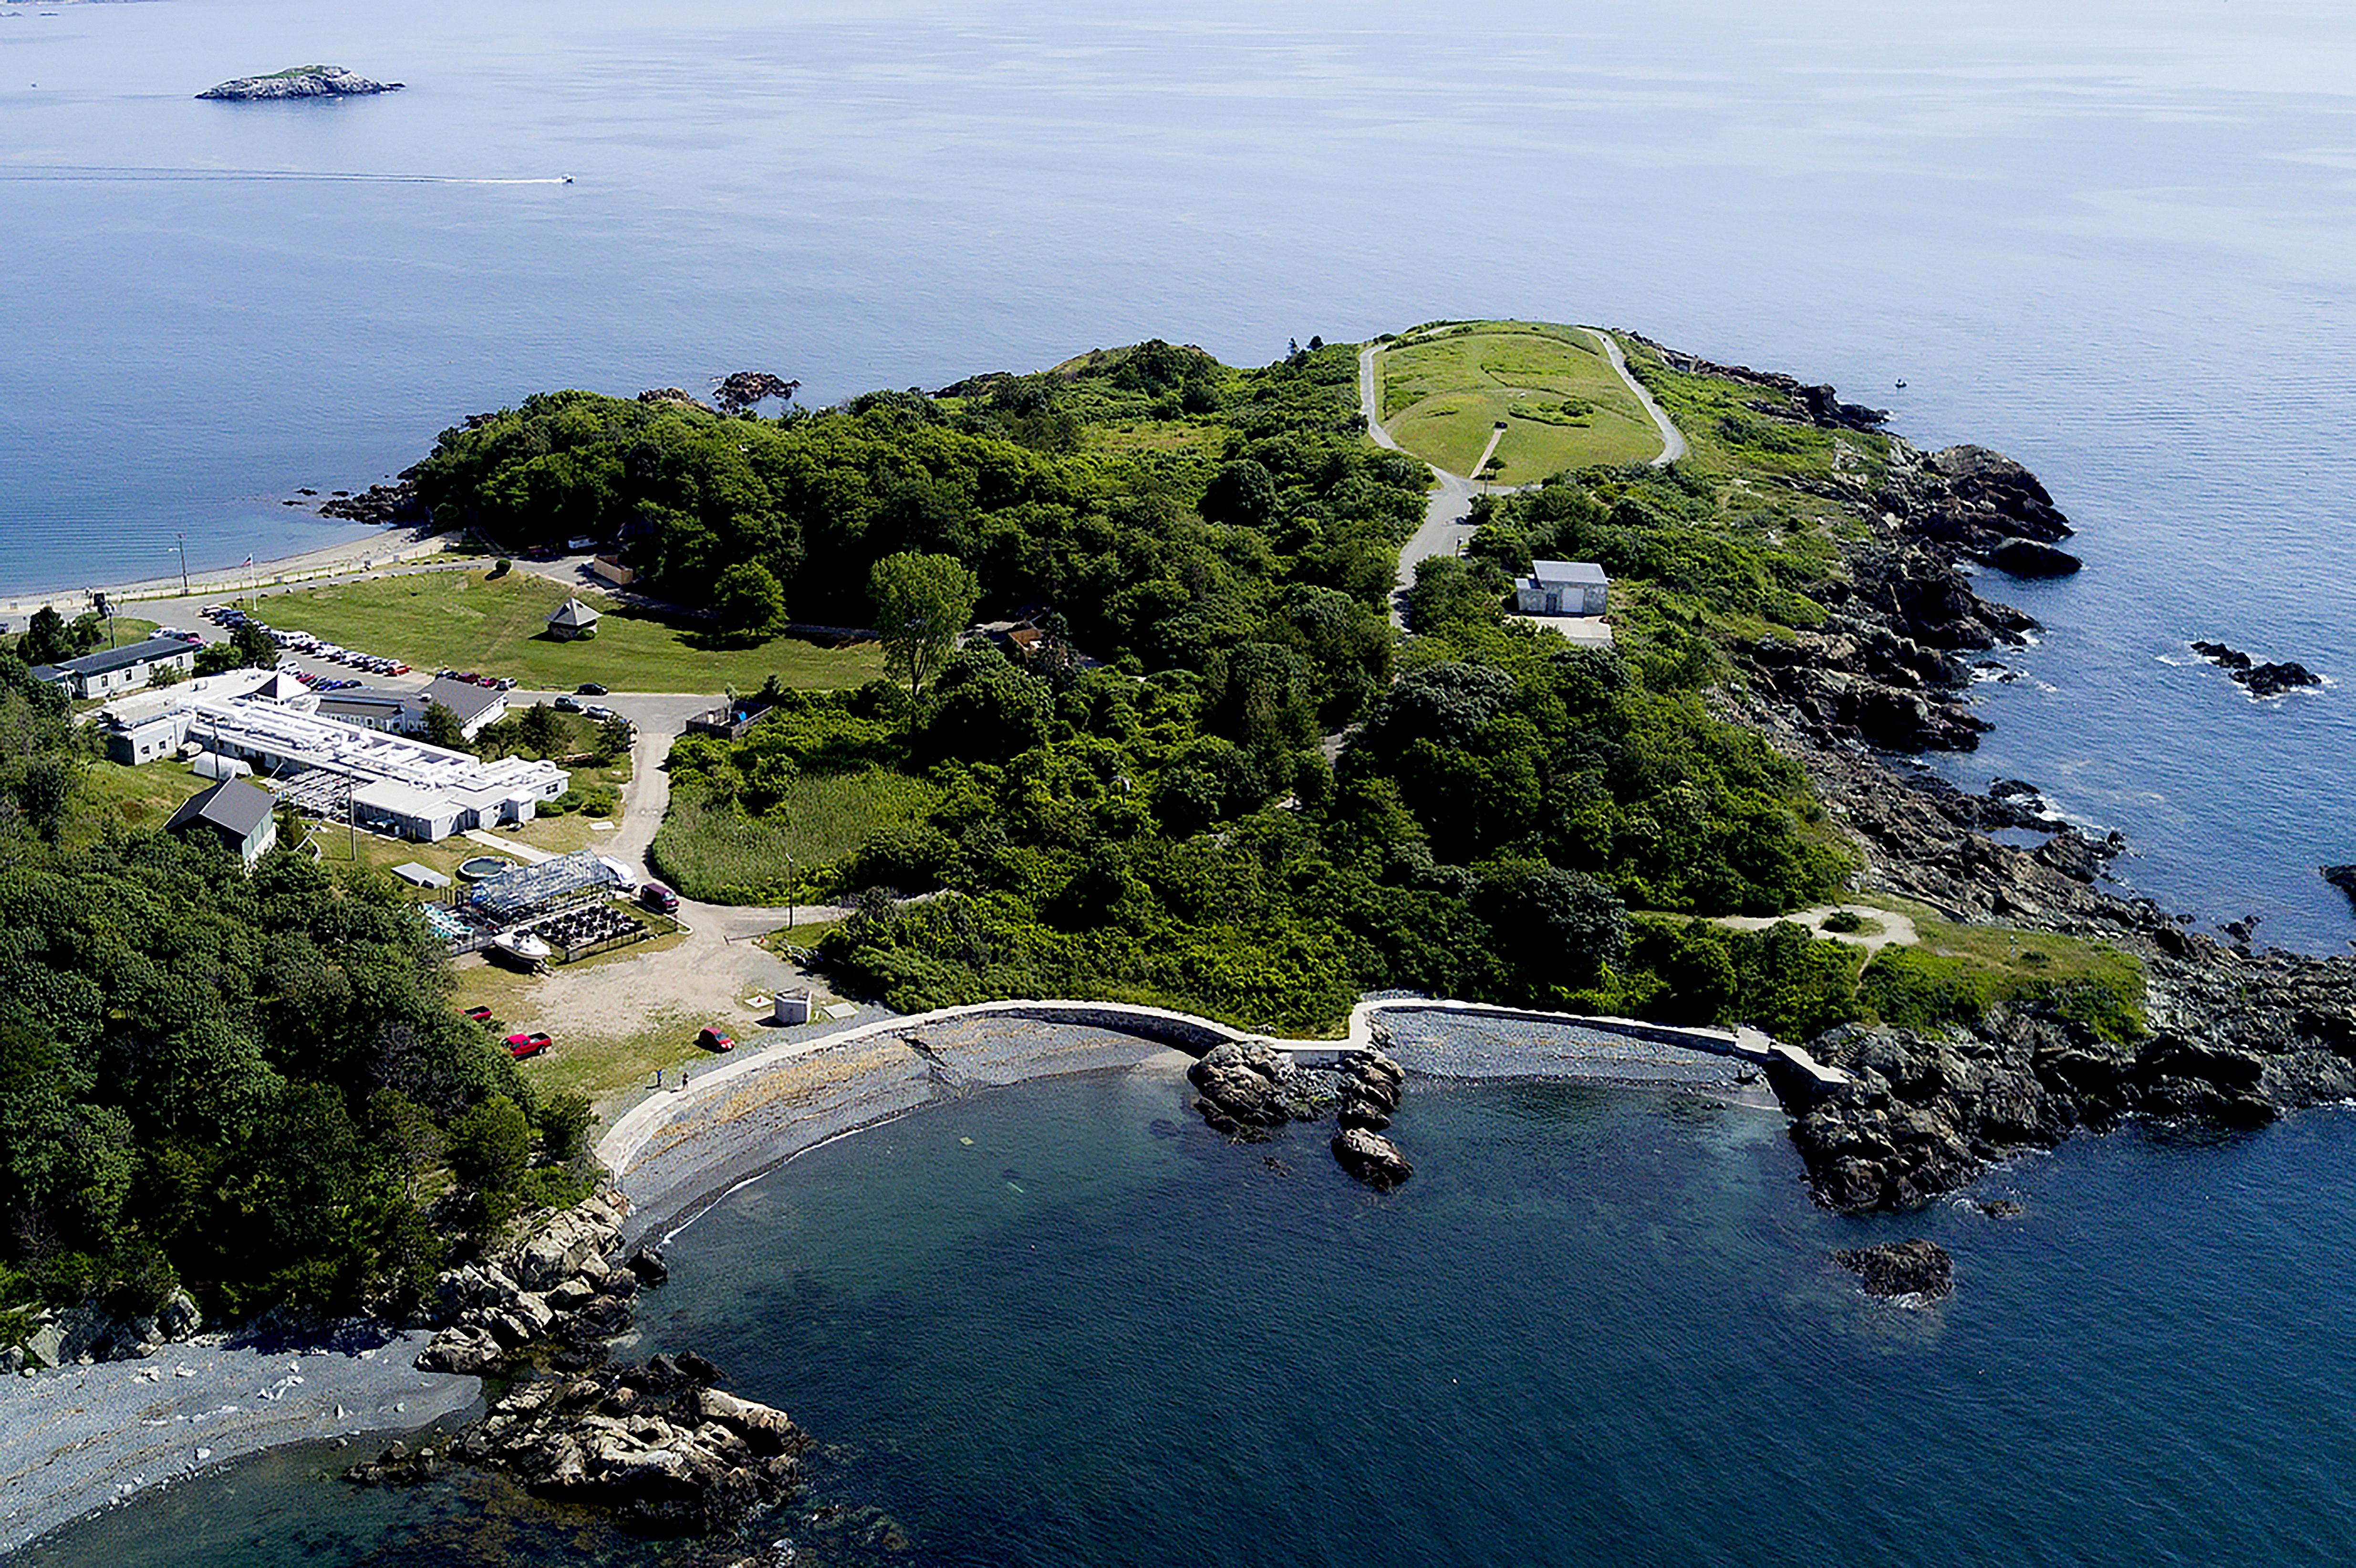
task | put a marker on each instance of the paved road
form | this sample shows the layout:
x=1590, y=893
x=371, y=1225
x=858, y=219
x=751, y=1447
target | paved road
x=1673, y=443
x=1445, y=530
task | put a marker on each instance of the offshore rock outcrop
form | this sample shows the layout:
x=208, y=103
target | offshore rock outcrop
x=384, y=503
x=655, y=1444
x=303, y=81
x=1246, y=1090
x=1915, y=1270
x=2259, y=680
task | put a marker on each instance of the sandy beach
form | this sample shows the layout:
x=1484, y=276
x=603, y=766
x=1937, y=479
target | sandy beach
x=380, y=548
x=79, y=1439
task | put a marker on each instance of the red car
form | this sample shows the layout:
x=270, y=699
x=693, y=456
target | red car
x=715, y=1039
x=521, y=1045
x=480, y=1015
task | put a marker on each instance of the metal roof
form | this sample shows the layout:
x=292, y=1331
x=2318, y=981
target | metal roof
x=1572, y=571
x=106, y=661
x=234, y=806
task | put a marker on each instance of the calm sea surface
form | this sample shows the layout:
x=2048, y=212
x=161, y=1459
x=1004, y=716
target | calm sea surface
x=2114, y=240
x=1067, y=1324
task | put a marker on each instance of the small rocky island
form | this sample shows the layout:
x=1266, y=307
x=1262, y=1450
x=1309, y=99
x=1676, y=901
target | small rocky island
x=301, y=81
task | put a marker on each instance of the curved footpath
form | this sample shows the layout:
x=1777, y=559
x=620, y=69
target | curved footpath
x=1673, y=443
x=680, y=1147
x=1446, y=528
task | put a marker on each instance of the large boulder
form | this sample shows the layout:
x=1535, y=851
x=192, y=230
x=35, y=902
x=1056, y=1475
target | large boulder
x=1249, y=1088
x=1371, y=1158
x=2027, y=558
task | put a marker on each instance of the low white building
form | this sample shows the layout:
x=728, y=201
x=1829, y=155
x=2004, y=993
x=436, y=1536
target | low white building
x=1563, y=588
x=113, y=670
x=399, y=784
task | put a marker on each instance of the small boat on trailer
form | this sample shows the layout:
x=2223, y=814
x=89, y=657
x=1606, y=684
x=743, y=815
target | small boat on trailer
x=522, y=949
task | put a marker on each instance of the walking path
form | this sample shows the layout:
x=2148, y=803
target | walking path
x=1889, y=927
x=1446, y=529
x=1673, y=443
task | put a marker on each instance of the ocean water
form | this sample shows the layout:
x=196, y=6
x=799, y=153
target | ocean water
x=1065, y=1323
x=2114, y=240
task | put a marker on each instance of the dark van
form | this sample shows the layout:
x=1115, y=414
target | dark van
x=657, y=897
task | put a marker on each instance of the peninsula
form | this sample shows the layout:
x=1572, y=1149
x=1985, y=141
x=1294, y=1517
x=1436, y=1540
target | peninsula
x=300, y=81
x=1208, y=700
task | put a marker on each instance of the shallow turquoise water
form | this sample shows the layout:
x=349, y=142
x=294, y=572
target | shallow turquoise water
x=1599, y=1326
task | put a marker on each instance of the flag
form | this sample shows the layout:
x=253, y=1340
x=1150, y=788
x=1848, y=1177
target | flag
x=249, y=561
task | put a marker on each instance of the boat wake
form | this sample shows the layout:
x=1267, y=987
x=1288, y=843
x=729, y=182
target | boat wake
x=134, y=172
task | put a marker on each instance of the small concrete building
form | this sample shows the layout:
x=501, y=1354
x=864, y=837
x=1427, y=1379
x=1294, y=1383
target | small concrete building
x=571, y=620
x=232, y=813
x=116, y=671
x=1563, y=588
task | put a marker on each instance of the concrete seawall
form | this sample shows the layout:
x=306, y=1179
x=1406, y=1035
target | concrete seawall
x=742, y=1116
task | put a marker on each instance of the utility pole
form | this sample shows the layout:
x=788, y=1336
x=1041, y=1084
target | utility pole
x=184, y=563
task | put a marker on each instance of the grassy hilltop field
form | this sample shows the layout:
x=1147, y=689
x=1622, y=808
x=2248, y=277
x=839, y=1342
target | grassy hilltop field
x=1447, y=388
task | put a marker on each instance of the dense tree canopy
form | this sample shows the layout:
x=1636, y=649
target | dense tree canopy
x=225, y=1077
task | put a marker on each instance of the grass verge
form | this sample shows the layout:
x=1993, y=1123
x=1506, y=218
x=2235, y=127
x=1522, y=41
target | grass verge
x=716, y=854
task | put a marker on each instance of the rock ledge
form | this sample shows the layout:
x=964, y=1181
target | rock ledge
x=303, y=81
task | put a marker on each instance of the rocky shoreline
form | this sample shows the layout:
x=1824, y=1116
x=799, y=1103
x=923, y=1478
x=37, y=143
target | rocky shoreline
x=2235, y=1037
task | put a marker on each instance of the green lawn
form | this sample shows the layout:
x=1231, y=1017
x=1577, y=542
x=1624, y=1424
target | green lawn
x=467, y=620
x=138, y=798
x=724, y=857
x=1443, y=393
x=1958, y=971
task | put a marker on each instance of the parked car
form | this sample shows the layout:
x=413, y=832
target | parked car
x=521, y=1045
x=480, y=1015
x=589, y=688
x=661, y=899
x=567, y=705
x=505, y=683
x=399, y=668
x=597, y=710
x=711, y=1038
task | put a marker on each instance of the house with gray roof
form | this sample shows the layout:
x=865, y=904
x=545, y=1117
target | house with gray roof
x=1563, y=588
x=233, y=814
x=113, y=670
x=571, y=620
x=403, y=712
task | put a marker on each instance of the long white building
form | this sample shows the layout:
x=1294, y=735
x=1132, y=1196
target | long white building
x=398, y=785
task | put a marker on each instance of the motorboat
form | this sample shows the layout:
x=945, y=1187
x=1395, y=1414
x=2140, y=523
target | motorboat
x=520, y=948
